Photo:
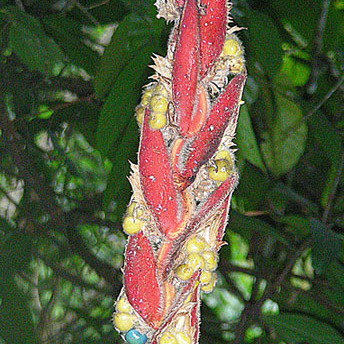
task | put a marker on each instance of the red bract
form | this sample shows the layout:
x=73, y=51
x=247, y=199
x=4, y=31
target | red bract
x=213, y=32
x=156, y=177
x=185, y=176
x=200, y=113
x=208, y=139
x=185, y=66
x=140, y=281
x=217, y=197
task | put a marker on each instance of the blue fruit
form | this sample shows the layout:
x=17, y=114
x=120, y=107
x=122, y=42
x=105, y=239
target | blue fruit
x=133, y=336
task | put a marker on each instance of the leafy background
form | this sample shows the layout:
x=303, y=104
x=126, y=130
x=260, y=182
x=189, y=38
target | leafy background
x=71, y=75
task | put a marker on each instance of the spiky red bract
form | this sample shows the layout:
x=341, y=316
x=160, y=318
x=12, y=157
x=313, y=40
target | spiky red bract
x=208, y=139
x=185, y=66
x=142, y=288
x=156, y=177
x=212, y=32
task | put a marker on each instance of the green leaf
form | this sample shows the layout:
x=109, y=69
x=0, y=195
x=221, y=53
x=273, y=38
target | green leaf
x=330, y=143
x=21, y=95
x=301, y=26
x=252, y=189
x=132, y=34
x=247, y=142
x=328, y=139
x=296, y=71
x=298, y=301
x=15, y=252
x=118, y=187
x=245, y=225
x=16, y=324
x=286, y=193
x=294, y=328
x=335, y=277
x=330, y=182
x=84, y=115
x=285, y=141
x=264, y=42
x=30, y=43
x=141, y=6
x=5, y=228
x=119, y=106
x=68, y=34
x=334, y=33
x=298, y=225
x=326, y=245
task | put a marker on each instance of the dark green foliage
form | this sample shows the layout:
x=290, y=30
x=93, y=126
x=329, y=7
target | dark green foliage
x=70, y=77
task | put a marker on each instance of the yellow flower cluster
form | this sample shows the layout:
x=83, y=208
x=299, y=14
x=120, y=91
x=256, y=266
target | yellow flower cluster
x=155, y=99
x=199, y=256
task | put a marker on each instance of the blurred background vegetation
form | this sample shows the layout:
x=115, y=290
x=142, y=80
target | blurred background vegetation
x=71, y=73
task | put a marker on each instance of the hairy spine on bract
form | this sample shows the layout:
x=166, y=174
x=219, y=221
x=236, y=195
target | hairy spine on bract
x=185, y=177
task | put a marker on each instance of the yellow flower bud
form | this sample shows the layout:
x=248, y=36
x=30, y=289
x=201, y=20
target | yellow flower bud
x=195, y=245
x=139, y=115
x=138, y=212
x=232, y=48
x=132, y=225
x=237, y=65
x=123, y=321
x=184, y=272
x=195, y=261
x=147, y=94
x=157, y=121
x=225, y=155
x=209, y=287
x=158, y=104
x=134, y=210
x=123, y=305
x=167, y=338
x=219, y=172
x=161, y=90
x=210, y=259
x=206, y=277
x=131, y=208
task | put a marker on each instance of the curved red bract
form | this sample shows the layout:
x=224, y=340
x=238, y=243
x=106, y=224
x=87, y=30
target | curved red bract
x=140, y=280
x=208, y=138
x=212, y=32
x=156, y=178
x=185, y=66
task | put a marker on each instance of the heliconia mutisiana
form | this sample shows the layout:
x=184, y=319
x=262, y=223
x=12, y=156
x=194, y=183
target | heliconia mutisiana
x=185, y=176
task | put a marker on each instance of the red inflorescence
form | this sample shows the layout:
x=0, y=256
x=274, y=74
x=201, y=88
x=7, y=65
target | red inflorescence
x=185, y=177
